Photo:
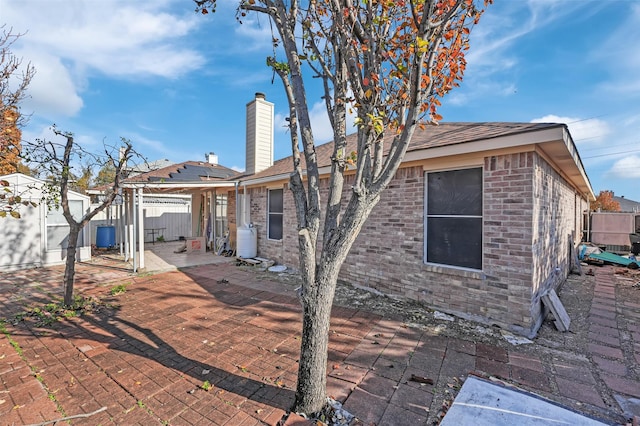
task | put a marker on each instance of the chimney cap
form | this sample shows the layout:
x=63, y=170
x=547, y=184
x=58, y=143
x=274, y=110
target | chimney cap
x=260, y=95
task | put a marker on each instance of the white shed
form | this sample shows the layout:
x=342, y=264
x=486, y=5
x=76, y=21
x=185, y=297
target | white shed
x=39, y=237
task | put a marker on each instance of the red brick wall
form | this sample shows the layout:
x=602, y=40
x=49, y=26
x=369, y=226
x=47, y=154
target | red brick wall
x=528, y=210
x=508, y=202
x=557, y=224
x=285, y=251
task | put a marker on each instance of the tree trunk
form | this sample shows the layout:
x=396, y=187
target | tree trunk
x=70, y=264
x=311, y=392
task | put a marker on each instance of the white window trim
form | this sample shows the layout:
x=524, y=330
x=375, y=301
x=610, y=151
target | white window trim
x=269, y=213
x=440, y=267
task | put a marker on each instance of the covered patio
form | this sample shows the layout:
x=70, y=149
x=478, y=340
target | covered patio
x=209, y=224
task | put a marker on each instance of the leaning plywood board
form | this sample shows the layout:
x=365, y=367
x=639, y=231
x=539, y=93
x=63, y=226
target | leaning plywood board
x=551, y=301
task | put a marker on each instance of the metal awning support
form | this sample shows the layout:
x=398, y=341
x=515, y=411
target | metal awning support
x=133, y=231
x=141, y=228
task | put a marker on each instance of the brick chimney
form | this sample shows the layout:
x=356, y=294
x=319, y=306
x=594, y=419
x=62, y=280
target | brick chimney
x=259, y=135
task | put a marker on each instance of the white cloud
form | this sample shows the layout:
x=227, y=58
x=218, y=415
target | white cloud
x=626, y=168
x=493, y=61
x=622, y=59
x=51, y=88
x=71, y=41
x=322, y=130
x=583, y=131
x=256, y=34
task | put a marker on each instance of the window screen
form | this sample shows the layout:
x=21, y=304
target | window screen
x=274, y=226
x=454, y=218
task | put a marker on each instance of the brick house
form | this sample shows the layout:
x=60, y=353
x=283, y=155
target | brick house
x=479, y=221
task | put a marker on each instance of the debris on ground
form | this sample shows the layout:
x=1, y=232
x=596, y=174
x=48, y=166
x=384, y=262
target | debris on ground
x=420, y=379
x=277, y=268
x=332, y=415
x=442, y=316
x=515, y=340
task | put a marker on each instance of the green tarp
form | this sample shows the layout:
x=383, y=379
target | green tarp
x=613, y=258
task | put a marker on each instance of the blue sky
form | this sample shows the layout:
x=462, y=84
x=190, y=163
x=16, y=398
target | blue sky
x=176, y=83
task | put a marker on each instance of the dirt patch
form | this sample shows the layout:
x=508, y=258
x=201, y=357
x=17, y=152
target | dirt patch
x=576, y=295
x=550, y=345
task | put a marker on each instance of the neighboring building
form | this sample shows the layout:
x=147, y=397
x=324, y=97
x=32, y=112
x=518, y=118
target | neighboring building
x=479, y=221
x=39, y=237
x=146, y=167
x=611, y=229
x=627, y=205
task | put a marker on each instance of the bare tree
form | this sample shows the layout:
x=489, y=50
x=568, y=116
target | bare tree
x=57, y=161
x=14, y=80
x=390, y=62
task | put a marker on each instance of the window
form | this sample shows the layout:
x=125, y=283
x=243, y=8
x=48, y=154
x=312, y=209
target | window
x=453, y=211
x=58, y=229
x=274, y=225
x=221, y=215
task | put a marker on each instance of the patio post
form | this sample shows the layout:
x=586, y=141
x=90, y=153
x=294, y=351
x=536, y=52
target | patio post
x=141, y=227
x=133, y=231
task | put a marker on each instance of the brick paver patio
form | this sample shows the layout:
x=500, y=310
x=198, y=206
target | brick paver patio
x=147, y=358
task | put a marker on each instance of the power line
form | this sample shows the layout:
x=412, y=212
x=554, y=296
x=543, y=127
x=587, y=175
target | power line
x=601, y=147
x=612, y=153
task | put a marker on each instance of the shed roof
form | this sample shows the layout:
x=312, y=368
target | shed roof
x=188, y=171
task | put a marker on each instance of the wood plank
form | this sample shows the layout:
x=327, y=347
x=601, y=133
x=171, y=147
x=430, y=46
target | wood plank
x=551, y=301
x=248, y=261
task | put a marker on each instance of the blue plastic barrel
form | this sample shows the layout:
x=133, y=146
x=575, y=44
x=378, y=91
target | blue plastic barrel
x=105, y=236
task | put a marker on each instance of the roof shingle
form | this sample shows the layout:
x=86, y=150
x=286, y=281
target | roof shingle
x=444, y=134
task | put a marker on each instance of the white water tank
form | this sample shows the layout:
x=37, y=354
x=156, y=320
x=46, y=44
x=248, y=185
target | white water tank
x=247, y=242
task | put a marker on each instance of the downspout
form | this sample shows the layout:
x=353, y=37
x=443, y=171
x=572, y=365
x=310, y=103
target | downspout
x=244, y=203
x=588, y=219
x=237, y=206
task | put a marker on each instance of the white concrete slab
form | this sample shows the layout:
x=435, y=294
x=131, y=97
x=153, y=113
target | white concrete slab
x=163, y=257
x=481, y=403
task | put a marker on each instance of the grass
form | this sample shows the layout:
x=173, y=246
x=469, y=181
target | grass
x=34, y=371
x=118, y=289
x=50, y=313
x=13, y=343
